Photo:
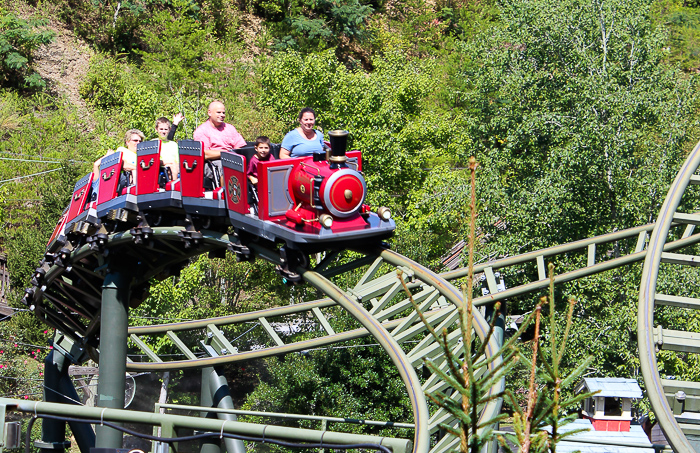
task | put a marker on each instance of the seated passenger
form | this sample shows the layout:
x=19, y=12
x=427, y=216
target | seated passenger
x=304, y=140
x=169, y=157
x=132, y=138
x=262, y=154
x=216, y=137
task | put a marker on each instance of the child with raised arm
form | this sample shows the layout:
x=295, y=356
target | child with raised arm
x=262, y=154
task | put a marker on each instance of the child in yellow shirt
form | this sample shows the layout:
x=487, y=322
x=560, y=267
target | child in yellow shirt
x=169, y=155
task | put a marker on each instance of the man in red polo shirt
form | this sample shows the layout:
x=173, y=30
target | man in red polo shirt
x=217, y=137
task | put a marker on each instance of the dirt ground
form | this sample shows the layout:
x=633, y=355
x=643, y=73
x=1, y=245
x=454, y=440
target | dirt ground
x=64, y=64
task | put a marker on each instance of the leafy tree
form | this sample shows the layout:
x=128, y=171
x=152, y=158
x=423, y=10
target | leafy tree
x=578, y=121
x=177, y=47
x=19, y=38
x=382, y=110
x=357, y=382
x=106, y=82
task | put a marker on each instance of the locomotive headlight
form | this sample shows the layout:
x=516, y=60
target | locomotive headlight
x=342, y=193
x=384, y=213
x=326, y=220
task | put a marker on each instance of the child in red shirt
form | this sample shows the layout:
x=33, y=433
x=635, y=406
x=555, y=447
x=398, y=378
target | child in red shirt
x=262, y=154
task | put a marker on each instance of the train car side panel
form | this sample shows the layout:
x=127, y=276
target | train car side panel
x=110, y=171
x=235, y=182
x=191, y=168
x=80, y=195
x=147, y=167
x=273, y=189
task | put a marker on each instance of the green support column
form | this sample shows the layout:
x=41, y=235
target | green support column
x=208, y=445
x=53, y=432
x=113, y=340
x=58, y=388
x=221, y=398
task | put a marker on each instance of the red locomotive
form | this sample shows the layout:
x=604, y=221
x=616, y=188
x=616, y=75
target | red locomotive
x=307, y=204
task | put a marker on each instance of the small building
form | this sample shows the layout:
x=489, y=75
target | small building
x=611, y=408
x=593, y=441
x=606, y=420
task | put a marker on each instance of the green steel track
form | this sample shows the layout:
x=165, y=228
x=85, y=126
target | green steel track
x=676, y=402
x=68, y=287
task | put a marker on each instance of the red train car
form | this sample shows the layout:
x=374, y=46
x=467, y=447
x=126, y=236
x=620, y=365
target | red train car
x=308, y=204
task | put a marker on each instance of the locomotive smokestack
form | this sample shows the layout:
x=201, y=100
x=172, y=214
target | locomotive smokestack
x=339, y=144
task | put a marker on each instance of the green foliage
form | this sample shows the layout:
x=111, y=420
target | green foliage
x=683, y=23
x=316, y=24
x=356, y=382
x=19, y=38
x=381, y=109
x=141, y=107
x=574, y=124
x=422, y=26
x=21, y=356
x=106, y=82
x=37, y=183
x=176, y=46
x=111, y=26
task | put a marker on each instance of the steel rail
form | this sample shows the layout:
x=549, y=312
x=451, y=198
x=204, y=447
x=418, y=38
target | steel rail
x=257, y=354
x=480, y=325
x=551, y=251
x=287, y=416
x=232, y=319
x=171, y=422
x=645, y=313
x=583, y=272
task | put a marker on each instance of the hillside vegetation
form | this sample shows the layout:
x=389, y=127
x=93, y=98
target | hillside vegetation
x=579, y=113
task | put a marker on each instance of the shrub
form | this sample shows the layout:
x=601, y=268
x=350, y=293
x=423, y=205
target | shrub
x=105, y=83
x=19, y=38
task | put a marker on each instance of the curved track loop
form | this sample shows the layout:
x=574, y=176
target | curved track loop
x=68, y=298
x=662, y=393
